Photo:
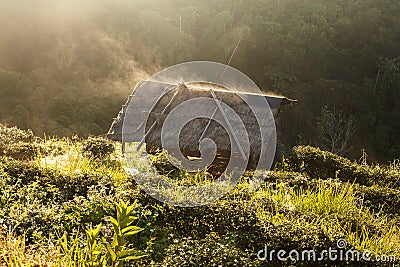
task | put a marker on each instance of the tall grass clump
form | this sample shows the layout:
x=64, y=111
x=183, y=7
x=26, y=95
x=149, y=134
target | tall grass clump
x=14, y=252
x=87, y=157
x=334, y=207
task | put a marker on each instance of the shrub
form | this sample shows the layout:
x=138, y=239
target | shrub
x=292, y=179
x=97, y=147
x=18, y=144
x=69, y=185
x=324, y=165
x=38, y=200
x=380, y=198
x=213, y=250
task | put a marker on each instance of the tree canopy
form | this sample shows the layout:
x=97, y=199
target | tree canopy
x=67, y=66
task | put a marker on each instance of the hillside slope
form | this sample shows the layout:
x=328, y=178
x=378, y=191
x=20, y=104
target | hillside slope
x=52, y=190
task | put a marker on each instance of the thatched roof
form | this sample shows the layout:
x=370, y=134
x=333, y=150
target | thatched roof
x=115, y=131
x=194, y=130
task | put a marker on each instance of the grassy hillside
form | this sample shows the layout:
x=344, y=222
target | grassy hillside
x=54, y=193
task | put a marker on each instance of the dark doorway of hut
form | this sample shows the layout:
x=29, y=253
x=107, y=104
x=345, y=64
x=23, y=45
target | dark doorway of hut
x=218, y=165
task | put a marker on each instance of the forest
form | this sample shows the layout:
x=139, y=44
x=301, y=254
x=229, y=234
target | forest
x=66, y=67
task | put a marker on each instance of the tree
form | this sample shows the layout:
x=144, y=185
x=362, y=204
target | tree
x=20, y=117
x=335, y=131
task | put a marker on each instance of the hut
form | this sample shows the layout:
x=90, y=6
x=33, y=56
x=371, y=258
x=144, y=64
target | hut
x=199, y=128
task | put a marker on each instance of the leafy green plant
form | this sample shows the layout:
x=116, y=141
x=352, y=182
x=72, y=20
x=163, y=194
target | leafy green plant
x=95, y=255
x=71, y=250
x=98, y=251
x=118, y=250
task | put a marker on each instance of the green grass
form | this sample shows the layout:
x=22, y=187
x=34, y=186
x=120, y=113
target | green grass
x=335, y=208
x=73, y=161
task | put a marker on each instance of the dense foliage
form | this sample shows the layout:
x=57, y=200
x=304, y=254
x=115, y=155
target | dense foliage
x=69, y=207
x=67, y=66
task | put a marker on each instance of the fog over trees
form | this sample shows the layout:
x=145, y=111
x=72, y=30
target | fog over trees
x=67, y=66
